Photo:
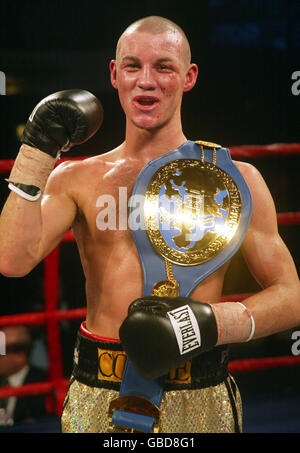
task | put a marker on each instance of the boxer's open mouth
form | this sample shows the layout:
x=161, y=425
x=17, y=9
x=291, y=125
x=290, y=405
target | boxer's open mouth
x=145, y=101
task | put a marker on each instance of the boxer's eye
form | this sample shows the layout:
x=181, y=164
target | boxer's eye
x=132, y=66
x=164, y=67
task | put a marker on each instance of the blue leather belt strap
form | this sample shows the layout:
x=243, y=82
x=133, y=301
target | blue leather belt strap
x=133, y=384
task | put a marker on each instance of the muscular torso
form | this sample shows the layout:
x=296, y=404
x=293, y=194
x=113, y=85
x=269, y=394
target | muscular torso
x=109, y=257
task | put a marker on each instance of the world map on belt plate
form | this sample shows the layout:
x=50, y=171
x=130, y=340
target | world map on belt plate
x=192, y=209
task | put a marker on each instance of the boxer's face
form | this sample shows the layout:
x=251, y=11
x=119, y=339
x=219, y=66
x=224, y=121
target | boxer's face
x=151, y=73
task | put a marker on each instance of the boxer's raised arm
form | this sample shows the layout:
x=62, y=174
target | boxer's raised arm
x=30, y=230
x=41, y=208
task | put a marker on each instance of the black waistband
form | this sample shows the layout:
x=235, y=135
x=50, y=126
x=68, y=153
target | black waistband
x=101, y=363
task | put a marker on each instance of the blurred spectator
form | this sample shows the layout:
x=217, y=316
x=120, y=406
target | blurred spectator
x=16, y=370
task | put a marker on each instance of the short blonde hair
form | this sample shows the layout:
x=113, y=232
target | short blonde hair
x=157, y=25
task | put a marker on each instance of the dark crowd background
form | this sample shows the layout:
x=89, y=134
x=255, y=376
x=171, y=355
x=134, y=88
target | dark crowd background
x=247, y=52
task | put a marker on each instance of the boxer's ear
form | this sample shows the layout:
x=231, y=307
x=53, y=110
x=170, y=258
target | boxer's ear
x=190, y=77
x=113, y=73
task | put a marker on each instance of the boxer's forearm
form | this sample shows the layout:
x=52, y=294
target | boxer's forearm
x=274, y=309
x=20, y=235
x=233, y=322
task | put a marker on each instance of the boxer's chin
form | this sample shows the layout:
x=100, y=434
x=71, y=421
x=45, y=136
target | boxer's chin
x=147, y=124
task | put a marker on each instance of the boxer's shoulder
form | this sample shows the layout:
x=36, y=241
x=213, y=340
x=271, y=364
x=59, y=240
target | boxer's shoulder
x=264, y=211
x=252, y=176
x=247, y=170
x=85, y=175
x=72, y=169
x=70, y=174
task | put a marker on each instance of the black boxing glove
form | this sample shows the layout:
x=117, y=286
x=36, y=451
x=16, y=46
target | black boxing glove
x=160, y=333
x=62, y=120
x=57, y=123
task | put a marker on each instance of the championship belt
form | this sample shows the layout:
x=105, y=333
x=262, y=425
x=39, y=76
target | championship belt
x=196, y=208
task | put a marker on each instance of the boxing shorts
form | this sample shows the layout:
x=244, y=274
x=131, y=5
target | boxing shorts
x=199, y=397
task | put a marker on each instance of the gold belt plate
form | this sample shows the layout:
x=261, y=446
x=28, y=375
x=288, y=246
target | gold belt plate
x=192, y=210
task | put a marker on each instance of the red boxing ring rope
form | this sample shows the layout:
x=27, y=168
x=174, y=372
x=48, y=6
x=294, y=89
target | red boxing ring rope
x=56, y=386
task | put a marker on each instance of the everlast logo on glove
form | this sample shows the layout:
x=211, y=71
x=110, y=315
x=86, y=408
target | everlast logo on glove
x=186, y=329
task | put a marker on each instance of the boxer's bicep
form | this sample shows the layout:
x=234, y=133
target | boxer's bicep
x=58, y=210
x=264, y=251
x=268, y=259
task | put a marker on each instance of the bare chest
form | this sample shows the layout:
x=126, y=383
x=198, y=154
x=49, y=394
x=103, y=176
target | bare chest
x=104, y=211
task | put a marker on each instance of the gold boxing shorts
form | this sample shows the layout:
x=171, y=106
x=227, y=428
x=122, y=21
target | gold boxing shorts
x=199, y=397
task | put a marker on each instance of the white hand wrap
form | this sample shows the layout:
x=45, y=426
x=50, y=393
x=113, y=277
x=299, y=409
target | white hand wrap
x=30, y=172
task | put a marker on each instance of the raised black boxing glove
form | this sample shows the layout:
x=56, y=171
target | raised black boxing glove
x=62, y=120
x=160, y=333
x=57, y=123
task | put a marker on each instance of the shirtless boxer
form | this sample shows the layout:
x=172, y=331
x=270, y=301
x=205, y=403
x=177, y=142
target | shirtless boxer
x=151, y=72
